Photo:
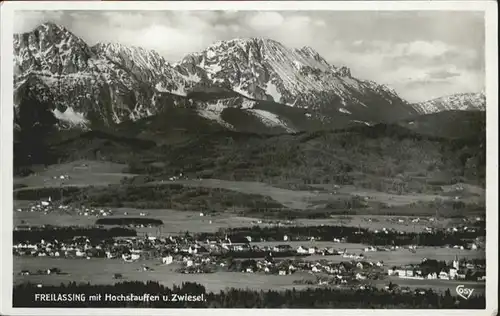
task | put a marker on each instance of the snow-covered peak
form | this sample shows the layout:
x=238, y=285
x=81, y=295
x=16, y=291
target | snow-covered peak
x=112, y=82
x=132, y=56
x=51, y=27
x=461, y=102
x=265, y=69
x=119, y=49
x=50, y=48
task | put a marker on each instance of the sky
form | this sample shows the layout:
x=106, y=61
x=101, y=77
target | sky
x=420, y=54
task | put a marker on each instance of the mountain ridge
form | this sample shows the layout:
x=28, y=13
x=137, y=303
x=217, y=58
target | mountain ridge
x=471, y=101
x=110, y=83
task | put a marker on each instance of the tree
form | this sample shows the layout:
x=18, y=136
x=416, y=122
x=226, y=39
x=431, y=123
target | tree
x=36, y=122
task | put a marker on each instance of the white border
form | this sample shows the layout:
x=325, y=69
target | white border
x=6, y=114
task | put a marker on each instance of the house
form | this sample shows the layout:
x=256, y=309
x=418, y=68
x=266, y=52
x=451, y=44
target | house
x=359, y=276
x=359, y=265
x=332, y=270
x=443, y=275
x=404, y=272
x=282, y=272
x=249, y=270
x=453, y=273
x=470, y=266
x=240, y=247
x=285, y=238
x=249, y=238
x=167, y=259
x=325, y=252
x=312, y=250
x=379, y=264
x=315, y=269
x=302, y=250
x=189, y=262
x=432, y=276
x=192, y=250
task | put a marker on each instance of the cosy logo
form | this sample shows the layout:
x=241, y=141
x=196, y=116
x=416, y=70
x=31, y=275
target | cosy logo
x=464, y=292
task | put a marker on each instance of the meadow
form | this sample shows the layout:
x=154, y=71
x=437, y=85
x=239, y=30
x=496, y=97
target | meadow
x=101, y=271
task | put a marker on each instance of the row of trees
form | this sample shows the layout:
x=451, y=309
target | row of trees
x=350, y=233
x=66, y=233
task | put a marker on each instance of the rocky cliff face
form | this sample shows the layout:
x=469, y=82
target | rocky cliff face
x=461, y=102
x=110, y=83
x=264, y=69
x=104, y=84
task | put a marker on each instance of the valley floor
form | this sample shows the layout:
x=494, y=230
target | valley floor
x=176, y=222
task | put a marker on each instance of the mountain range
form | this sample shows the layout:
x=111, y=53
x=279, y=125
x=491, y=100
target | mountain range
x=461, y=101
x=249, y=84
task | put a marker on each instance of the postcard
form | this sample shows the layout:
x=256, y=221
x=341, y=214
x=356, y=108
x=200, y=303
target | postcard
x=295, y=157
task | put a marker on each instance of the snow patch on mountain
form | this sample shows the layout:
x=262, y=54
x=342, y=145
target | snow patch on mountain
x=70, y=116
x=177, y=90
x=214, y=116
x=273, y=92
x=116, y=82
x=217, y=106
x=460, y=102
x=343, y=110
x=240, y=90
x=270, y=119
x=362, y=122
x=247, y=104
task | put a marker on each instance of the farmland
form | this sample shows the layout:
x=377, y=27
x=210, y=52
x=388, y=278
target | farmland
x=180, y=221
x=75, y=173
x=211, y=205
x=101, y=271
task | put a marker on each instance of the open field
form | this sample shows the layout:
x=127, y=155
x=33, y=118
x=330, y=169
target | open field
x=79, y=173
x=390, y=258
x=176, y=221
x=101, y=271
x=299, y=199
x=317, y=200
x=328, y=198
x=290, y=198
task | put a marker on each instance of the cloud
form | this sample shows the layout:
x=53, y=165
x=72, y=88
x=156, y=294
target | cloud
x=263, y=21
x=420, y=54
x=442, y=74
x=422, y=48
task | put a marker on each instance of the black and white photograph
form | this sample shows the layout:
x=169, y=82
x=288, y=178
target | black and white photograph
x=285, y=156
